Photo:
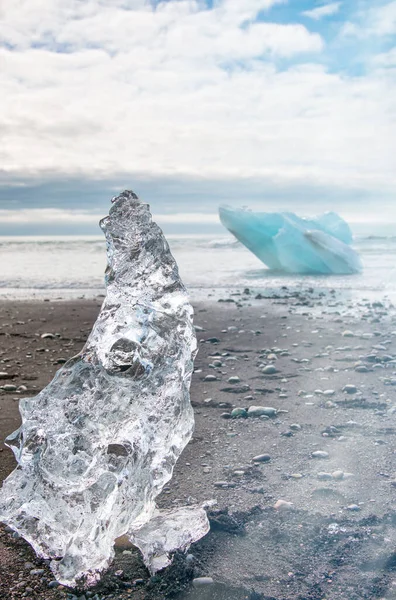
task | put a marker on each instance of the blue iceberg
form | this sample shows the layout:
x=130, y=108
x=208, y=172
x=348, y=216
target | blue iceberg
x=286, y=242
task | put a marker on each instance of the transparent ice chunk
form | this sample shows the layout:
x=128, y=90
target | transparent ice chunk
x=97, y=445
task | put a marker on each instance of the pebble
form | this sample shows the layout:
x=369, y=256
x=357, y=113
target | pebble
x=353, y=507
x=338, y=475
x=320, y=454
x=53, y=584
x=234, y=379
x=223, y=484
x=295, y=426
x=210, y=378
x=202, y=581
x=225, y=415
x=239, y=413
x=258, y=411
x=361, y=369
x=348, y=333
x=270, y=370
x=45, y=336
x=262, y=458
x=350, y=389
x=283, y=505
x=9, y=387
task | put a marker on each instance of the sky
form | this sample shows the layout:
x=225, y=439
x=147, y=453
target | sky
x=272, y=104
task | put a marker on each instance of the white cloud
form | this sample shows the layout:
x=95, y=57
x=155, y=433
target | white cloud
x=184, y=91
x=379, y=20
x=385, y=59
x=326, y=10
x=383, y=19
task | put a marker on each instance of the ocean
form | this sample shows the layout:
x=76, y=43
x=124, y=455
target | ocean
x=73, y=267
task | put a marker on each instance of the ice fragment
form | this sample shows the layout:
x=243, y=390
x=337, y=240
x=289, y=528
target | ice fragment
x=98, y=444
x=286, y=242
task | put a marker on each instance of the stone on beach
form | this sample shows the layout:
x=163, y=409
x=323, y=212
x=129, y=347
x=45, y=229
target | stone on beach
x=283, y=505
x=270, y=370
x=320, y=454
x=258, y=411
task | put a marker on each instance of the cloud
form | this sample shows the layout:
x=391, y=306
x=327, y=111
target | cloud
x=385, y=59
x=326, y=10
x=128, y=90
x=373, y=21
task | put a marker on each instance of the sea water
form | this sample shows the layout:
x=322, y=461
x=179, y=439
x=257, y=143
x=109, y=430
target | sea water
x=210, y=265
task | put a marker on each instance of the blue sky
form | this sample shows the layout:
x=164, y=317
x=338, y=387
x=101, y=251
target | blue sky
x=273, y=104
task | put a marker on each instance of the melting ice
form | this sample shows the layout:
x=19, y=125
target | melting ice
x=286, y=242
x=98, y=444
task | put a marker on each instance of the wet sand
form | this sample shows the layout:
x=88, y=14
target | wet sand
x=288, y=525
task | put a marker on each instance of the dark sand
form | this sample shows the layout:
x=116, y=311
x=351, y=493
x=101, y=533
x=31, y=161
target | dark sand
x=337, y=540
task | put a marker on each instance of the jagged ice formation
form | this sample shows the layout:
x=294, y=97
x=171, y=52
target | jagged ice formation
x=98, y=444
x=286, y=242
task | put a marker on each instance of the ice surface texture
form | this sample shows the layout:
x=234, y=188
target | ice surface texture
x=286, y=242
x=98, y=444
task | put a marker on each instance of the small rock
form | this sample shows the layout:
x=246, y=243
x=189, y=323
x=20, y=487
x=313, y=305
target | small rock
x=262, y=458
x=283, y=505
x=353, y=507
x=349, y=389
x=9, y=387
x=226, y=415
x=338, y=475
x=258, y=411
x=295, y=427
x=45, y=336
x=348, y=333
x=270, y=370
x=320, y=454
x=210, y=378
x=361, y=369
x=202, y=581
x=239, y=413
x=234, y=379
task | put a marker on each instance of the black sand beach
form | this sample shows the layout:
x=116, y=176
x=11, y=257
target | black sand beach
x=288, y=524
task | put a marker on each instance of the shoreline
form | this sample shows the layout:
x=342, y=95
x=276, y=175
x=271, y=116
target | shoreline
x=303, y=338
